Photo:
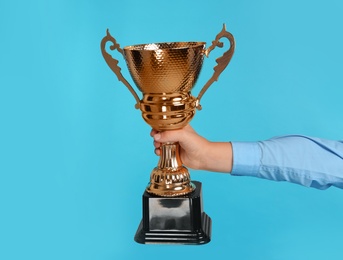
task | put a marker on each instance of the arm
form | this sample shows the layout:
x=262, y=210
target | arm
x=298, y=159
x=307, y=161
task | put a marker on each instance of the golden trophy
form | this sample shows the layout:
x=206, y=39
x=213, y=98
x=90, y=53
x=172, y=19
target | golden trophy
x=165, y=73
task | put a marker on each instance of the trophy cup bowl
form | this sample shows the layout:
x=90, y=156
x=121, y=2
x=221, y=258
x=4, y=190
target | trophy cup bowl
x=165, y=74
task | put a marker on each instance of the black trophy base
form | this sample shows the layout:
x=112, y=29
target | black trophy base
x=175, y=220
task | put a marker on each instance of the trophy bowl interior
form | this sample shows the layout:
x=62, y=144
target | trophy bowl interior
x=165, y=67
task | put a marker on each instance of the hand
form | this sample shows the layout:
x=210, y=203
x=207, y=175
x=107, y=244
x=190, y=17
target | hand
x=196, y=152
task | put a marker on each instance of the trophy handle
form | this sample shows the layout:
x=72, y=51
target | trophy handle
x=113, y=63
x=222, y=62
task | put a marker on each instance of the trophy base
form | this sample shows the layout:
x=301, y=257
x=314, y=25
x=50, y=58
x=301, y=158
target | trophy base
x=174, y=220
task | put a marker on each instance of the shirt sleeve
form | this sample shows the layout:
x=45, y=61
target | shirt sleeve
x=308, y=161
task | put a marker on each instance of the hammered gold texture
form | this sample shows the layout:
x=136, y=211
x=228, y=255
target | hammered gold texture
x=165, y=67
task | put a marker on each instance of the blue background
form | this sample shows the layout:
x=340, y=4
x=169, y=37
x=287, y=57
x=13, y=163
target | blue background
x=75, y=155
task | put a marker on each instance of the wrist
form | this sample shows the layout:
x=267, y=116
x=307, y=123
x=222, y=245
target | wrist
x=217, y=157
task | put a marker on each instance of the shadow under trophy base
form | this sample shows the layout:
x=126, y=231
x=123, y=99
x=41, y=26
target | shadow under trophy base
x=165, y=73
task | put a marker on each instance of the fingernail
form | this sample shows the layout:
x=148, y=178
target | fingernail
x=157, y=137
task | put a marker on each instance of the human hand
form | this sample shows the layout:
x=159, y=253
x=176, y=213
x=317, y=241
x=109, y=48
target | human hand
x=196, y=152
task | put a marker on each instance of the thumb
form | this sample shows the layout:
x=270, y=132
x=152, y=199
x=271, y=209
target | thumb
x=168, y=136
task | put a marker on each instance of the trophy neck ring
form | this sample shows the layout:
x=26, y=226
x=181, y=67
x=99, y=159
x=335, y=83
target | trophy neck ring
x=168, y=111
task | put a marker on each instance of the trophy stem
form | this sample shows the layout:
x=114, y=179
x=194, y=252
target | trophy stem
x=170, y=156
x=170, y=178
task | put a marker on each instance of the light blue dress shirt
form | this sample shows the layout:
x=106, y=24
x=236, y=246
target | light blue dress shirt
x=308, y=161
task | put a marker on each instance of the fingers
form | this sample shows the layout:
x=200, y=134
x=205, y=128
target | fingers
x=157, y=145
x=156, y=135
x=158, y=151
x=168, y=136
x=153, y=132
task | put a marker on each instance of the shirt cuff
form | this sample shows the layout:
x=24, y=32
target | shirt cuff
x=246, y=158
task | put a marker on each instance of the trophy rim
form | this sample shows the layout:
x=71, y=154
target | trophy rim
x=165, y=46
